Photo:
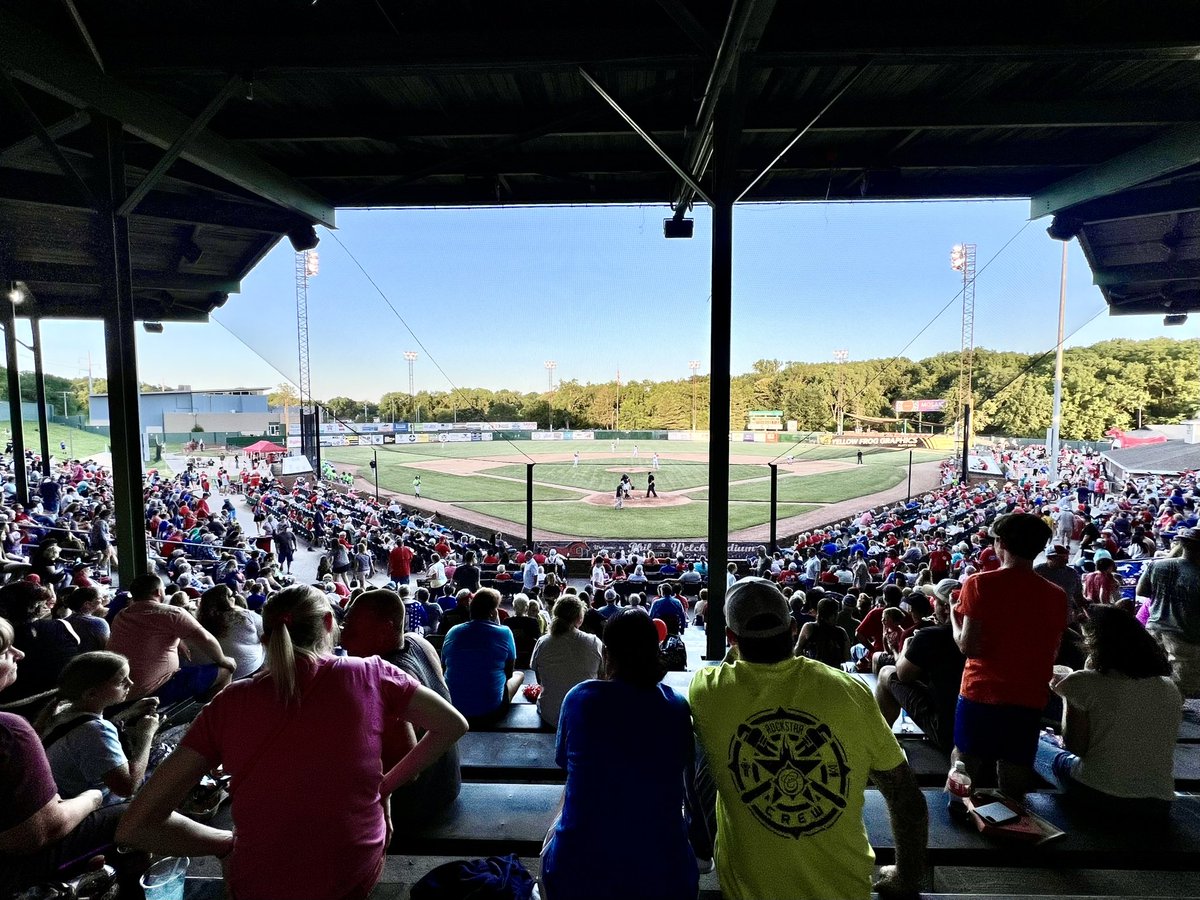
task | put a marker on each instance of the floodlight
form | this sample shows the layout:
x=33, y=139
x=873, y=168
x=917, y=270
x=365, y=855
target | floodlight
x=153, y=327
x=1175, y=319
x=303, y=238
x=678, y=228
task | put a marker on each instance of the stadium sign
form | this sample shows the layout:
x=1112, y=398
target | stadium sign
x=918, y=406
x=669, y=549
x=877, y=439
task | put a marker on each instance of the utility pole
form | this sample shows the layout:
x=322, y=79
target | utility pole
x=694, y=365
x=617, y=418
x=1056, y=417
x=411, y=356
x=839, y=358
x=550, y=365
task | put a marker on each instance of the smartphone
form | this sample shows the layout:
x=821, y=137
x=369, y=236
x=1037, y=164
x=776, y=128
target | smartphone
x=996, y=814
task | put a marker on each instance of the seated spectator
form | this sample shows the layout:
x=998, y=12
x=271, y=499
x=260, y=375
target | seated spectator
x=536, y=611
x=824, y=640
x=85, y=749
x=668, y=605
x=375, y=626
x=39, y=830
x=480, y=657
x=87, y=618
x=564, y=658
x=281, y=730
x=925, y=680
x=525, y=628
x=1121, y=718
x=750, y=717
x=502, y=574
x=610, y=607
x=1008, y=624
x=1104, y=585
x=433, y=612
x=457, y=611
x=603, y=725
x=257, y=597
x=147, y=632
x=47, y=644
x=238, y=630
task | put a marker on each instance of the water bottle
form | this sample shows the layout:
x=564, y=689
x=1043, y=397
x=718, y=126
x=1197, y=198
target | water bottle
x=958, y=786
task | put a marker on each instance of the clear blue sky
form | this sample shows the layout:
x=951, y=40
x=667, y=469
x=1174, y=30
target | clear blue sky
x=492, y=293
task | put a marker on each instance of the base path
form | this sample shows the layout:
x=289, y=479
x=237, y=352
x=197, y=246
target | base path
x=925, y=477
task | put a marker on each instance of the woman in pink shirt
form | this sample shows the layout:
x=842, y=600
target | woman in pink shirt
x=303, y=743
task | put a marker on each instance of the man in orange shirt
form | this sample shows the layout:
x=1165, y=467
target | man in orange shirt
x=1008, y=623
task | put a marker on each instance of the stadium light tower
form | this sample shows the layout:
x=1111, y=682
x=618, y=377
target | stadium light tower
x=840, y=357
x=962, y=259
x=411, y=356
x=694, y=365
x=550, y=365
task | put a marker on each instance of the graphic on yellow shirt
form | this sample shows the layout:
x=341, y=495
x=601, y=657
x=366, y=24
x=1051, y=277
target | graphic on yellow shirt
x=790, y=771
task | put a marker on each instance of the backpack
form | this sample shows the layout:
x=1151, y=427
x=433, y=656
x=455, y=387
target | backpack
x=673, y=653
x=494, y=878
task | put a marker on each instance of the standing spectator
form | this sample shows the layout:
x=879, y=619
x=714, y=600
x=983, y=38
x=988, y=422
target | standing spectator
x=927, y=675
x=480, y=657
x=467, y=575
x=1009, y=624
x=275, y=732
x=1121, y=717
x=1171, y=587
x=769, y=712
x=375, y=626
x=285, y=545
x=147, y=632
x=400, y=563
x=529, y=575
x=564, y=658
x=364, y=565
x=602, y=726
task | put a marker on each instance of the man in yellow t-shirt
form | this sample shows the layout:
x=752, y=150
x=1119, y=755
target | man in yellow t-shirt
x=790, y=743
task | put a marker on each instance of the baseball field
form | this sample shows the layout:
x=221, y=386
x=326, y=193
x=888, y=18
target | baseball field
x=484, y=483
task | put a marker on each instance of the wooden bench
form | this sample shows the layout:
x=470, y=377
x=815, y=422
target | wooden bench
x=1090, y=842
x=519, y=717
x=486, y=820
x=514, y=757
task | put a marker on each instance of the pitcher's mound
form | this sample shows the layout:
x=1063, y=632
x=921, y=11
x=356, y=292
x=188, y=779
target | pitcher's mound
x=637, y=501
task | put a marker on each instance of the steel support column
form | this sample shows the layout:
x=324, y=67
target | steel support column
x=529, y=505
x=774, y=537
x=120, y=354
x=39, y=395
x=720, y=320
x=14, y=397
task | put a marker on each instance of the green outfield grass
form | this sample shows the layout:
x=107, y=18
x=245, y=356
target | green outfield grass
x=500, y=492
x=829, y=487
x=596, y=475
x=586, y=520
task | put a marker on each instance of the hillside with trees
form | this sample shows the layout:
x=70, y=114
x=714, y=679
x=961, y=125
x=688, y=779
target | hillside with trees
x=1113, y=383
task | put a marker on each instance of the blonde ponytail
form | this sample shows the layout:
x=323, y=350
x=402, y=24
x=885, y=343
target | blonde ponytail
x=294, y=625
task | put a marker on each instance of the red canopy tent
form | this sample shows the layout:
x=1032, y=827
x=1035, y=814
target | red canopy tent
x=265, y=447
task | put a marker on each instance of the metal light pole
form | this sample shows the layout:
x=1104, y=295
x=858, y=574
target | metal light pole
x=411, y=356
x=375, y=466
x=694, y=365
x=1056, y=417
x=840, y=357
x=550, y=365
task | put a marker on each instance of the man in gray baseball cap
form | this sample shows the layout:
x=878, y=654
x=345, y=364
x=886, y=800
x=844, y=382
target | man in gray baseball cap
x=790, y=743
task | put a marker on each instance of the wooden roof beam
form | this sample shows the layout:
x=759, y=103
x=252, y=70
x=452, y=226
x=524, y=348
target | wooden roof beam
x=40, y=60
x=1175, y=150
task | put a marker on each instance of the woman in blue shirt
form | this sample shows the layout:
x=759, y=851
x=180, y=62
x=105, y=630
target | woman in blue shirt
x=603, y=725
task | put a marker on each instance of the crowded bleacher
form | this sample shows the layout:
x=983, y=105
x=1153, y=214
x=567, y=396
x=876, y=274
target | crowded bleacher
x=1036, y=637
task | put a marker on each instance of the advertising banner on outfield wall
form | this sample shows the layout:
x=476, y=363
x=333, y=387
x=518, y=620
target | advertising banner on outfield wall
x=671, y=549
x=548, y=435
x=583, y=435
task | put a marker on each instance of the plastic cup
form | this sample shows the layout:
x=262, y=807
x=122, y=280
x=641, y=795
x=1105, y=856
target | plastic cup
x=164, y=880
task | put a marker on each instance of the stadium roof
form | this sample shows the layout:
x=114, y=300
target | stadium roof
x=242, y=122
x=1170, y=458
